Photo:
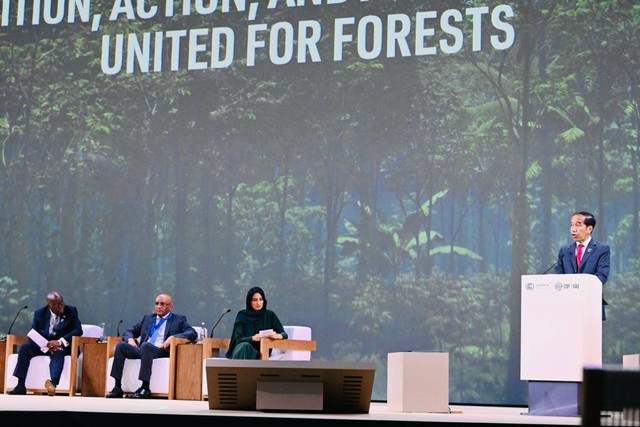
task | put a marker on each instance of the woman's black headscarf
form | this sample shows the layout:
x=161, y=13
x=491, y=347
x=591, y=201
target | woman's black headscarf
x=250, y=293
x=249, y=317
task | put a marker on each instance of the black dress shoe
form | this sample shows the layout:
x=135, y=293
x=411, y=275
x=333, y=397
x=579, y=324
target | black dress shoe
x=141, y=393
x=18, y=391
x=115, y=393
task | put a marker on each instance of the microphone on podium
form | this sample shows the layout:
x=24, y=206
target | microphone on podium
x=219, y=319
x=118, y=328
x=550, y=267
x=14, y=319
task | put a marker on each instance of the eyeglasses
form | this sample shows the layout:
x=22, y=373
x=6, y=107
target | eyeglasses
x=160, y=303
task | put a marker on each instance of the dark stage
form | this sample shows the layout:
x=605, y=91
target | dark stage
x=92, y=411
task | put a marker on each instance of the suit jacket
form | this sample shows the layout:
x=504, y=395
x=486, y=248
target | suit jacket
x=176, y=326
x=68, y=326
x=595, y=260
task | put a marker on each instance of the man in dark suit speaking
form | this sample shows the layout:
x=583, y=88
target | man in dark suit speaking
x=155, y=332
x=584, y=254
x=56, y=323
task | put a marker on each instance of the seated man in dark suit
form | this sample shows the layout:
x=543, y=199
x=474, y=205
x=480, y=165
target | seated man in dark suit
x=155, y=332
x=57, y=323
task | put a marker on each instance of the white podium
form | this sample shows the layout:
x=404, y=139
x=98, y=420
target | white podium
x=418, y=382
x=561, y=333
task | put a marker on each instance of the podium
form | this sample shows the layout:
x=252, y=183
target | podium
x=561, y=333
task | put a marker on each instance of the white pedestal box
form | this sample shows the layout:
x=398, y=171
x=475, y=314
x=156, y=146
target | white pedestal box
x=418, y=382
x=631, y=361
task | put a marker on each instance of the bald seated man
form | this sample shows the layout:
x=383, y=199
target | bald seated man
x=147, y=340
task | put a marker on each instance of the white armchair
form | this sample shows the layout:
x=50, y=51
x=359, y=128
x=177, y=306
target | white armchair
x=298, y=345
x=39, y=367
x=163, y=378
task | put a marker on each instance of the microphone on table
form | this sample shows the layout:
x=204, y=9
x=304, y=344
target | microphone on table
x=549, y=269
x=118, y=328
x=14, y=319
x=219, y=319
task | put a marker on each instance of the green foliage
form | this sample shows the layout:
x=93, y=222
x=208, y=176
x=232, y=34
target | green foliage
x=12, y=298
x=365, y=196
x=620, y=332
x=465, y=317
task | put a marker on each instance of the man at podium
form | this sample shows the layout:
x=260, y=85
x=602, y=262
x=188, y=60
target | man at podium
x=585, y=254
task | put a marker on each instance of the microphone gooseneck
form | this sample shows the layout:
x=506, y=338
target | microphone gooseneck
x=550, y=267
x=14, y=319
x=118, y=328
x=219, y=319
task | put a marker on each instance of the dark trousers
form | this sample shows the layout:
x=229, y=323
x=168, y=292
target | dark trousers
x=28, y=350
x=146, y=353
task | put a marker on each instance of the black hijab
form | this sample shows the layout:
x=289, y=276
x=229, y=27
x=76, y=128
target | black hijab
x=249, y=318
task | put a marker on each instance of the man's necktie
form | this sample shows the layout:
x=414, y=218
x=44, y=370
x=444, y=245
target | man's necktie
x=54, y=323
x=579, y=254
x=155, y=328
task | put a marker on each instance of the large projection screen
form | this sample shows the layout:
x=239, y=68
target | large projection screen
x=386, y=170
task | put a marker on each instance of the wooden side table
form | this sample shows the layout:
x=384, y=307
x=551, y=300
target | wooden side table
x=94, y=367
x=95, y=356
x=3, y=363
x=189, y=372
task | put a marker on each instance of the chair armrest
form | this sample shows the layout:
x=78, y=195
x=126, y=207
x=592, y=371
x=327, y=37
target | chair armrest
x=173, y=359
x=267, y=344
x=111, y=345
x=175, y=341
x=211, y=346
x=77, y=342
x=12, y=342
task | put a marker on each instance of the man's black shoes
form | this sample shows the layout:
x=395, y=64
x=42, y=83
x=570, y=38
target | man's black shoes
x=115, y=393
x=141, y=393
x=18, y=391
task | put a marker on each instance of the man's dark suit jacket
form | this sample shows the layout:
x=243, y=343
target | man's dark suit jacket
x=177, y=326
x=68, y=327
x=595, y=260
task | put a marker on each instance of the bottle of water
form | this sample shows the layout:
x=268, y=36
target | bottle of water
x=203, y=332
x=103, y=337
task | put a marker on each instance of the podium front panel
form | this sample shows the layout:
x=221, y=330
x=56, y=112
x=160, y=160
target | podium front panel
x=561, y=326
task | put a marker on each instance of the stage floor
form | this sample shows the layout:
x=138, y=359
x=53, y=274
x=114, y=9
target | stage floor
x=78, y=410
